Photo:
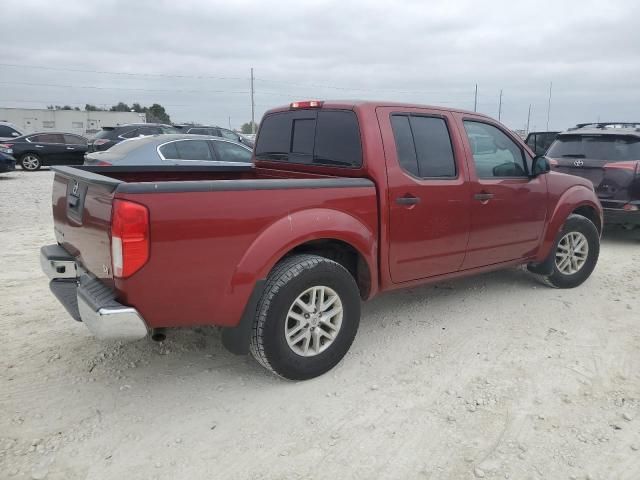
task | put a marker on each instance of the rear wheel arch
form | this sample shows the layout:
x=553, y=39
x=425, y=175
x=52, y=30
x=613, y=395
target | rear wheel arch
x=340, y=252
x=352, y=245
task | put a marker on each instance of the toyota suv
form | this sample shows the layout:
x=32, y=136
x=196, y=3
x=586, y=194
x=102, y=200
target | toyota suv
x=608, y=154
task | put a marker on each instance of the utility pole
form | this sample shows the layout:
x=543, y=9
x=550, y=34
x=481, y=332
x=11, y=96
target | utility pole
x=549, y=104
x=253, y=107
x=500, y=106
x=528, y=118
x=475, y=100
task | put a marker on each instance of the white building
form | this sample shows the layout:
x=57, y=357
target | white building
x=29, y=120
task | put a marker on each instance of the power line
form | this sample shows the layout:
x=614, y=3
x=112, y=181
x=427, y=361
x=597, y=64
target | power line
x=130, y=74
x=209, y=77
x=121, y=88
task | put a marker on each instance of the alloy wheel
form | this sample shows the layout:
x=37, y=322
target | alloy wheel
x=572, y=253
x=313, y=321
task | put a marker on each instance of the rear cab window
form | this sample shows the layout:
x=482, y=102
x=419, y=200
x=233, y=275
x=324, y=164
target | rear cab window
x=311, y=137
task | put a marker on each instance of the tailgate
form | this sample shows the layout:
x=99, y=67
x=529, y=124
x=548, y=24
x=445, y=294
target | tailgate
x=82, y=218
x=612, y=180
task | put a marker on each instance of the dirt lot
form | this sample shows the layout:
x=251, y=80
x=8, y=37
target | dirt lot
x=490, y=377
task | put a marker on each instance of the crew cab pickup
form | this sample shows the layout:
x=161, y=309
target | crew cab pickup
x=344, y=200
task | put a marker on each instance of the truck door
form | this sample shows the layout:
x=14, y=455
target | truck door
x=508, y=208
x=428, y=194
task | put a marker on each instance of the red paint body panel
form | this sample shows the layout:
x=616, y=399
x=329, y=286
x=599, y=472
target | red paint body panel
x=208, y=248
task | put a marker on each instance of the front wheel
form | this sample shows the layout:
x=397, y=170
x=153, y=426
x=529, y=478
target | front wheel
x=307, y=317
x=575, y=253
x=30, y=162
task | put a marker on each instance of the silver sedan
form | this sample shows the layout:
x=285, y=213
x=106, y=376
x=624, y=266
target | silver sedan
x=192, y=150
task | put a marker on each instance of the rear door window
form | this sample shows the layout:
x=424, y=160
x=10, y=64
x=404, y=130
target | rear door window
x=424, y=146
x=193, y=150
x=47, y=138
x=314, y=137
x=74, y=140
x=168, y=151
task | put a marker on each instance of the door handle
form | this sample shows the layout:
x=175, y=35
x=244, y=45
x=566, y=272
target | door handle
x=70, y=148
x=39, y=146
x=408, y=200
x=483, y=196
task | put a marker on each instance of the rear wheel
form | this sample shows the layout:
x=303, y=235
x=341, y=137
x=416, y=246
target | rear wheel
x=575, y=253
x=30, y=162
x=307, y=317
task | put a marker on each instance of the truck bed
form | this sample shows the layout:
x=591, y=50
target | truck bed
x=213, y=230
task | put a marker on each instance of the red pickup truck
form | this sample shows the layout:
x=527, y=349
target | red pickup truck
x=344, y=200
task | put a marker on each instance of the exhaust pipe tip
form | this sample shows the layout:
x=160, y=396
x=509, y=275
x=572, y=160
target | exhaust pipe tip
x=158, y=335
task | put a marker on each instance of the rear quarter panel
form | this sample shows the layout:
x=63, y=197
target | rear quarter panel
x=209, y=248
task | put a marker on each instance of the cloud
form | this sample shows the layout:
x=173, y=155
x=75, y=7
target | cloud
x=416, y=51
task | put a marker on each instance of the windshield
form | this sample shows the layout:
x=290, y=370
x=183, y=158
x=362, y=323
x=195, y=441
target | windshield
x=598, y=147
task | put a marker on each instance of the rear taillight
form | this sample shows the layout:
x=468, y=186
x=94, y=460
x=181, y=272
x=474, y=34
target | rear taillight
x=102, y=163
x=6, y=145
x=100, y=141
x=129, y=237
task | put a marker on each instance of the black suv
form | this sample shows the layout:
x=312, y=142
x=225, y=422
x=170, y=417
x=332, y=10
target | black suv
x=540, y=142
x=215, y=132
x=608, y=154
x=109, y=136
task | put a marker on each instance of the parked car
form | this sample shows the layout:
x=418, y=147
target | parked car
x=7, y=161
x=608, y=155
x=41, y=149
x=109, y=136
x=540, y=142
x=8, y=131
x=191, y=150
x=216, y=132
x=346, y=200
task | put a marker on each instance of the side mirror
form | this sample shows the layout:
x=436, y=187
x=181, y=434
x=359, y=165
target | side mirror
x=540, y=166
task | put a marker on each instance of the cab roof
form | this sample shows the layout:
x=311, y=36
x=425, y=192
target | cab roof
x=354, y=104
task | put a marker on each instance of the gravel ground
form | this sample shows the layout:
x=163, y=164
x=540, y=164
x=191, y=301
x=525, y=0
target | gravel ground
x=490, y=377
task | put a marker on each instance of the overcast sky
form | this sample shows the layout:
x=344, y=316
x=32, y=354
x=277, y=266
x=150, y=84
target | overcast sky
x=194, y=57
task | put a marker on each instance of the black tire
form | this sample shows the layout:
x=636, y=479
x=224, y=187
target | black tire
x=30, y=162
x=580, y=224
x=286, y=282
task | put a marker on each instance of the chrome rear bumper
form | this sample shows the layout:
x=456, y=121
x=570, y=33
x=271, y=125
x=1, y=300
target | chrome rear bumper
x=88, y=300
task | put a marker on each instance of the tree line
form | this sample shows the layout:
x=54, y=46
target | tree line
x=156, y=113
